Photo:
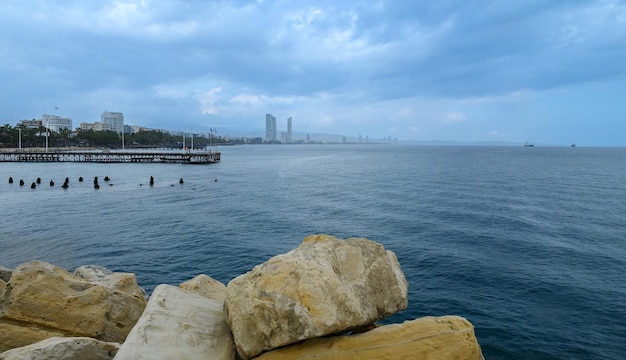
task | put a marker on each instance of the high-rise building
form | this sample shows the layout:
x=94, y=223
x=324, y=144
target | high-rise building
x=289, y=130
x=270, y=128
x=113, y=121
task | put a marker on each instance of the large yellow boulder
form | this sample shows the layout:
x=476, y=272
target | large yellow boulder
x=434, y=338
x=42, y=300
x=325, y=286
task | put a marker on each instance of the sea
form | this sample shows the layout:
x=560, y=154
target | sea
x=528, y=244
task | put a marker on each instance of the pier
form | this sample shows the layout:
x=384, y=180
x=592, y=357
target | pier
x=111, y=156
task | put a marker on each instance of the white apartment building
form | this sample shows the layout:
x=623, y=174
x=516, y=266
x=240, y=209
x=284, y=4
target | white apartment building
x=113, y=121
x=56, y=123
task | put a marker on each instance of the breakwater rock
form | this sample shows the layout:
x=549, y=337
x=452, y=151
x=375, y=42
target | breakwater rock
x=41, y=300
x=66, y=348
x=179, y=324
x=446, y=337
x=320, y=300
x=325, y=286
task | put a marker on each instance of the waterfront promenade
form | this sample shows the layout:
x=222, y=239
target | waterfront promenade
x=110, y=156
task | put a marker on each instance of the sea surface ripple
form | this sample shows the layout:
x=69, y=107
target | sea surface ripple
x=529, y=244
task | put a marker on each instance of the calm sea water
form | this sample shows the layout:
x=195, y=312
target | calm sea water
x=529, y=244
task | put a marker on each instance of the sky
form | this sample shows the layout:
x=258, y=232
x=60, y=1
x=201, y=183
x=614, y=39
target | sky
x=547, y=72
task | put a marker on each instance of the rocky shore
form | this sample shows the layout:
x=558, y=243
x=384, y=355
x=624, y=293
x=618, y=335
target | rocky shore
x=319, y=301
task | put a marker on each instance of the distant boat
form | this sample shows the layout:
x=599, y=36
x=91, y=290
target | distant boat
x=527, y=144
x=573, y=145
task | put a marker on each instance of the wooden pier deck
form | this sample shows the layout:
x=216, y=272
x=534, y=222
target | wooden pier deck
x=105, y=156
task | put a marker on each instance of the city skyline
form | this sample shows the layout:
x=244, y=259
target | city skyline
x=544, y=72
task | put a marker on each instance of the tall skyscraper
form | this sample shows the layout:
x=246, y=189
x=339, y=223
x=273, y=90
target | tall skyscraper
x=270, y=128
x=289, y=130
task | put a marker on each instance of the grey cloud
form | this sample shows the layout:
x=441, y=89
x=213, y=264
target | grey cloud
x=355, y=52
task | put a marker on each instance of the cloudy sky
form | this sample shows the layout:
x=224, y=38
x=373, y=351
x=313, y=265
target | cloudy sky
x=551, y=72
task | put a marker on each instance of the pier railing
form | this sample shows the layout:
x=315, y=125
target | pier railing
x=111, y=156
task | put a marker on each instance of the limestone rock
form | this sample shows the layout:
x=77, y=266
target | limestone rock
x=66, y=348
x=441, y=338
x=92, y=273
x=124, y=282
x=206, y=286
x=42, y=300
x=324, y=286
x=5, y=273
x=14, y=334
x=179, y=324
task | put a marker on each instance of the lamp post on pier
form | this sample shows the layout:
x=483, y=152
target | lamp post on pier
x=47, y=127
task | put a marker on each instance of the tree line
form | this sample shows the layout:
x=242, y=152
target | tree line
x=36, y=137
